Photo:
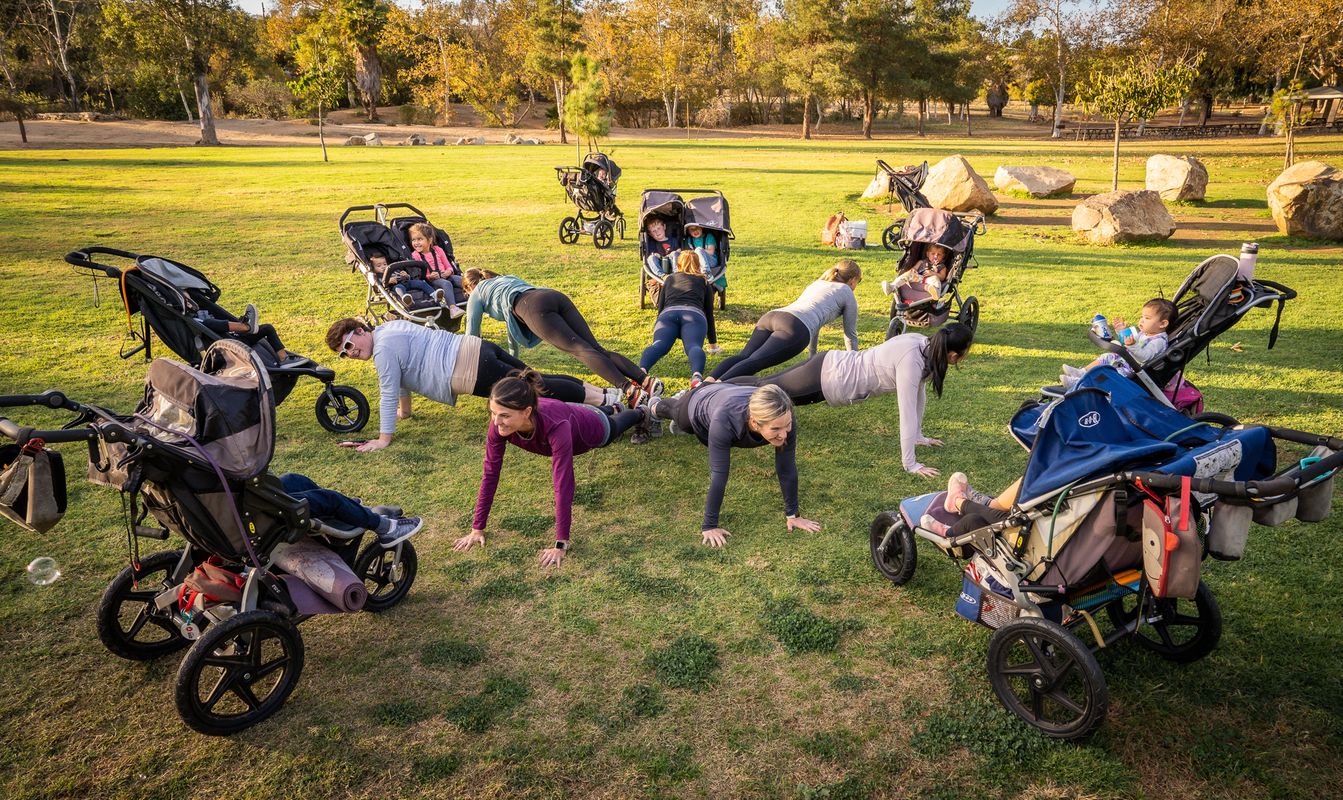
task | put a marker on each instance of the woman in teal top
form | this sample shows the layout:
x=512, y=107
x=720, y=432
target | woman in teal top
x=534, y=314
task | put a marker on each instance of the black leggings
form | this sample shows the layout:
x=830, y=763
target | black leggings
x=264, y=333
x=778, y=336
x=622, y=419
x=802, y=383
x=975, y=516
x=551, y=315
x=496, y=363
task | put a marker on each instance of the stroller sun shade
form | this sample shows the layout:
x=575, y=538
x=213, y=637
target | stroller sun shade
x=595, y=161
x=226, y=406
x=708, y=211
x=935, y=226
x=661, y=204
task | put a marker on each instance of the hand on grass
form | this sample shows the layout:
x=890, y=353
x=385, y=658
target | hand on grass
x=716, y=537
x=928, y=441
x=713, y=349
x=551, y=557
x=925, y=472
x=373, y=444
x=470, y=540
x=800, y=523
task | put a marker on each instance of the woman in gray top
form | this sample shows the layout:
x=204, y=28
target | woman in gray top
x=903, y=364
x=439, y=365
x=785, y=332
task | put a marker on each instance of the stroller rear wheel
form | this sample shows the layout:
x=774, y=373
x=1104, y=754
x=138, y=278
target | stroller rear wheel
x=603, y=234
x=1047, y=677
x=890, y=238
x=891, y=543
x=568, y=230
x=1182, y=631
x=129, y=624
x=896, y=327
x=969, y=313
x=386, y=573
x=342, y=409
x=239, y=672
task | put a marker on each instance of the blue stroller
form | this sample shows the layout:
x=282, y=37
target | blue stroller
x=1122, y=499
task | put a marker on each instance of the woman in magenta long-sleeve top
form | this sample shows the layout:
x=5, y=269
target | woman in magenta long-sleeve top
x=541, y=425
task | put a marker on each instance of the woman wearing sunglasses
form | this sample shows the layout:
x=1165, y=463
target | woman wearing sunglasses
x=439, y=365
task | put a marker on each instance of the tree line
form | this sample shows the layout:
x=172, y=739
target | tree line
x=658, y=62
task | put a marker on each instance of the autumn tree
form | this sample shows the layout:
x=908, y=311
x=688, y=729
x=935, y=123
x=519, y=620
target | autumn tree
x=1135, y=89
x=811, y=52
x=555, y=27
x=362, y=22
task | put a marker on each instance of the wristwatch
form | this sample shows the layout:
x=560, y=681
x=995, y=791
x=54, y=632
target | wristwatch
x=559, y=545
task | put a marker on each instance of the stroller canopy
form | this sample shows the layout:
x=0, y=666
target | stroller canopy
x=178, y=275
x=935, y=226
x=661, y=204
x=226, y=406
x=595, y=161
x=709, y=210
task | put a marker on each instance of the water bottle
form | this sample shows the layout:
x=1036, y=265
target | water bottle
x=1100, y=326
x=1249, y=254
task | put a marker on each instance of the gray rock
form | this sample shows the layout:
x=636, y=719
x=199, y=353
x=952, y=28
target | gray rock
x=1307, y=200
x=1177, y=177
x=1116, y=217
x=355, y=141
x=1034, y=181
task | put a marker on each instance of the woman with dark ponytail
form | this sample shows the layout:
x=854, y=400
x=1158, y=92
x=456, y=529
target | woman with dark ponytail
x=903, y=364
x=541, y=425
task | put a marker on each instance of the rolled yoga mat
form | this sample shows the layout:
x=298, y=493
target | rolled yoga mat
x=324, y=572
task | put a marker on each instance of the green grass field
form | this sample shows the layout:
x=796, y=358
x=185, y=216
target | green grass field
x=648, y=665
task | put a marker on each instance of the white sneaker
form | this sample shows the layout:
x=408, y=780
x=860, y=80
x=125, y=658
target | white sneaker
x=888, y=287
x=455, y=311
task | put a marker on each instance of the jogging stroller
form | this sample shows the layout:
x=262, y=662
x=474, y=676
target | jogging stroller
x=162, y=291
x=592, y=188
x=391, y=236
x=912, y=306
x=1121, y=500
x=193, y=461
x=1212, y=300
x=708, y=210
x=906, y=185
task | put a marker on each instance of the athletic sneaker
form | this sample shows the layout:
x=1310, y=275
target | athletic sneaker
x=611, y=397
x=249, y=318
x=957, y=488
x=930, y=524
x=440, y=297
x=455, y=311
x=652, y=386
x=695, y=380
x=639, y=433
x=402, y=529
x=634, y=395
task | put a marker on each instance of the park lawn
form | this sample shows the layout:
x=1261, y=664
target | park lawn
x=647, y=665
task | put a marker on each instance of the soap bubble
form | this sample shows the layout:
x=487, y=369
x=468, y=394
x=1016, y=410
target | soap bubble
x=43, y=571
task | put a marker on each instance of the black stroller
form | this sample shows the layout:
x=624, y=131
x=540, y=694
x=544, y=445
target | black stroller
x=163, y=290
x=1121, y=501
x=911, y=305
x=592, y=188
x=391, y=235
x=1212, y=300
x=708, y=210
x=905, y=184
x=193, y=461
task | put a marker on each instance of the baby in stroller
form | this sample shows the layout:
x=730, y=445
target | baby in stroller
x=403, y=280
x=1144, y=341
x=663, y=247
x=245, y=329
x=930, y=272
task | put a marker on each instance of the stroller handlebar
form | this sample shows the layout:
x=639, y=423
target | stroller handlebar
x=380, y=210
x=84, y=258
x=1249, y=490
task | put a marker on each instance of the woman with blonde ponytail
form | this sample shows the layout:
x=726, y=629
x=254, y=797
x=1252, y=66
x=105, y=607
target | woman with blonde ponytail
x=785, y=332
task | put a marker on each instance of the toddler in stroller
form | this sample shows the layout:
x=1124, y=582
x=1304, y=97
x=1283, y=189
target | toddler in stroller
x=670, y=223
x=592, y=189
x=398, y=274
x=1120, y=499
x=1144, y=341
x=939, y=247
x=194, y=457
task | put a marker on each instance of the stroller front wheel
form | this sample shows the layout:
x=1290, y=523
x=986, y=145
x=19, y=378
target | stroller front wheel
x=891, y=543
x=1047, y=677
x=568, y=230
x=386, y=573
x=129, y=624
x=896, y=327
x=603, y=234
x=342, y=409
x=890, y=238
x=239, y=672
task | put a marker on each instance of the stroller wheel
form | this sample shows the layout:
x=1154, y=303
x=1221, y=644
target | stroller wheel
x=568, y=230
x=890, y=238
x=342, y=409
x=896, y=327
x=969, y=313
x=1177, y=630
x=892, y=545
x=387, y=577
x=603, y=234
x=239, y=672
x=1047, y=677
x=129, y=624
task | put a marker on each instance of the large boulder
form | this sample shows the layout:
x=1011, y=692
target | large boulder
x=1034, y=181
x=1116, y=217
x=1177, y=177
x=416, y=140
x=953, y=185
x=440, y=141
x=355, y=141
x=1307, y=200
x=372, y=140
x=879, y=188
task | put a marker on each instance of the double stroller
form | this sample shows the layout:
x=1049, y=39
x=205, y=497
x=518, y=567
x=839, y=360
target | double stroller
x=906, y=185
x=391, y=236
x=1121, y=500
x=911, y=305
x=1212, y=300
x=592, y=188
x=708, y=209
x=168, y=295
x=192, y=460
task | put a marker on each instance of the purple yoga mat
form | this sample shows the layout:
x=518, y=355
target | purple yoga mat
x=322, y=571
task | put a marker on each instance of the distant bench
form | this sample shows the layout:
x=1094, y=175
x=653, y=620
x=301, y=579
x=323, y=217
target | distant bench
x=1086, y=131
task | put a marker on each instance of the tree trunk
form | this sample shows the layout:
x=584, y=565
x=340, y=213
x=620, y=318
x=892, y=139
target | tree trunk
x=185, y=105
x=816, y=101
x=447, y=82
x=23, y=131
x=868, y=105
x=1058, y=109
x=951, y=112
x=205, y=109
x=559, y=108
x=1114, y=174
x=62, y=42
x=923, y=109
x=321, y=130
x=1184, y=108
x=806, y=116
x=368, y=76
x=1206, y=112
x=967, y=120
